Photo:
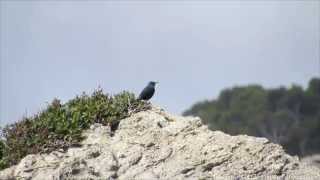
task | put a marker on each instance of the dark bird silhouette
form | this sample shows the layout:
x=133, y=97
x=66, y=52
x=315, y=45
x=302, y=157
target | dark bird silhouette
x=148, y=91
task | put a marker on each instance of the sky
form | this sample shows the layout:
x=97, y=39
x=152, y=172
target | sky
x=194, y=49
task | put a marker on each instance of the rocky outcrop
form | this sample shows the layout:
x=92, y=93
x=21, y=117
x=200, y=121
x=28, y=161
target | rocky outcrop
x=156, y=145
x=312, y=160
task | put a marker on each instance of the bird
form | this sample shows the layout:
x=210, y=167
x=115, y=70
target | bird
x=148, y=91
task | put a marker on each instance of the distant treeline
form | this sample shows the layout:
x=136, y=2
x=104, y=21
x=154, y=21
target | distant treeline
x=287, y=116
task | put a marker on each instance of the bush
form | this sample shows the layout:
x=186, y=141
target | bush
x=59, y=126
x=3, y=160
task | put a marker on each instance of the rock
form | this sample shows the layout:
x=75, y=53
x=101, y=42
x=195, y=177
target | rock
x=157, y=145
x=313, y=160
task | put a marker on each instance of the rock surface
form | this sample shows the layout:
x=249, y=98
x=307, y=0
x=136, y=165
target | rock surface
x=313, y=160
x=156, y=145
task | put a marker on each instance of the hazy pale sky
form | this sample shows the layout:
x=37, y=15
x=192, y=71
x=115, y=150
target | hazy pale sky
x=194, y=49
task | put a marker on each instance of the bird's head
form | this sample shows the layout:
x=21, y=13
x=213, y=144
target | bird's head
x=153, y=83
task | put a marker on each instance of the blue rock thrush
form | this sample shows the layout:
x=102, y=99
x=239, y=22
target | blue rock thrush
x=148, y=91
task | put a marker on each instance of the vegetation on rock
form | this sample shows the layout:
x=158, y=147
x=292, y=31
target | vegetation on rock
x=59, y=126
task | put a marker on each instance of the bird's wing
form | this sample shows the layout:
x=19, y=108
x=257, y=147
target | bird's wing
x=147, y=91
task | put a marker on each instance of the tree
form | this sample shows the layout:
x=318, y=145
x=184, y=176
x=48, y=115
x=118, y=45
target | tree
x=288, y=116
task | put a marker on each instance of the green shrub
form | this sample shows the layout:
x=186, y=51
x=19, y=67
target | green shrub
x=3, y=160
x=59, y=126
